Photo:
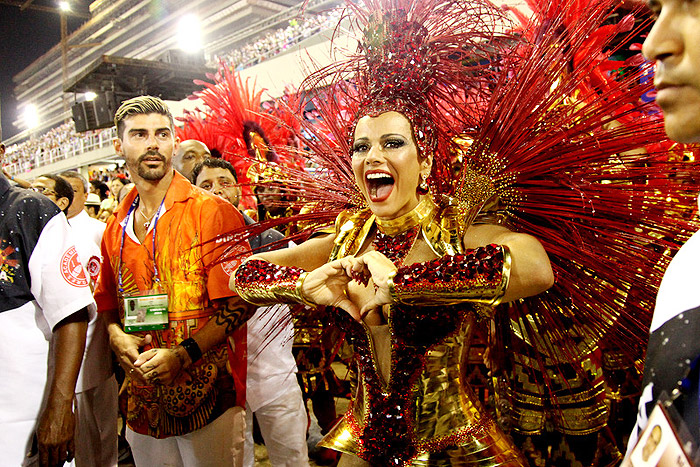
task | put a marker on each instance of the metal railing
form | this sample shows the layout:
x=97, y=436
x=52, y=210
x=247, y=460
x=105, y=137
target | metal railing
x=43, y=156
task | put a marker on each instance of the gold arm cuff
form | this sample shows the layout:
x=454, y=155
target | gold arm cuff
x=507, y=265
x=300, y=293
x=263, y=283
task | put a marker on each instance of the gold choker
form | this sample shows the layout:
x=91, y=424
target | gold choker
x=409, y=220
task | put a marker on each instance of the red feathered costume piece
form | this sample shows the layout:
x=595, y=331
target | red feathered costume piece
x=233, y=110
x=530, y=129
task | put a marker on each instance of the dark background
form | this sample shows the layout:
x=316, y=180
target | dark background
x=24, y=37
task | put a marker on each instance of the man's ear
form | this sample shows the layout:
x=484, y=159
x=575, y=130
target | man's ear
x=117, y=144
x=62, y=203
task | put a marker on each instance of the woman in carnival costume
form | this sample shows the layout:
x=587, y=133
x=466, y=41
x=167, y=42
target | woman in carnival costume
x=546, y=190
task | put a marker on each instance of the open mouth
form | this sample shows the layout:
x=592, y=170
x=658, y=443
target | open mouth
x=379, y=185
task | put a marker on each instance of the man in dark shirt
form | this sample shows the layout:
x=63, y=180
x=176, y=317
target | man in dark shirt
x=44, y=301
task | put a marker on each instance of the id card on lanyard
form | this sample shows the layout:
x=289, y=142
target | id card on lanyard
x=659, y=444
x=144, y=310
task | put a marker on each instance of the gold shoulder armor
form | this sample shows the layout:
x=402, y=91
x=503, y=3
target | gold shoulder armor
x=351, y=230
x=441, y=228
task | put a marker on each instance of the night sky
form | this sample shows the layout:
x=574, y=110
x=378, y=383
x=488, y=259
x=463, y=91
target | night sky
x=24, y=37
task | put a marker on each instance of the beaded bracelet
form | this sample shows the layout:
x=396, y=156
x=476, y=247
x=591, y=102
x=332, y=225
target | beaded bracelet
x=479, y=275
x=264, y=283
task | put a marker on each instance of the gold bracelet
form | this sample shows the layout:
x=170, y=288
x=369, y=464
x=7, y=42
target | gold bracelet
x=300, y=293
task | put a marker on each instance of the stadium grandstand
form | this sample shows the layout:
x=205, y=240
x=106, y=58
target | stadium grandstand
x=255, y=36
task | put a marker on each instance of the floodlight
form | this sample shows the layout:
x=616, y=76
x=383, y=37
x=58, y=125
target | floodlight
x=31, y=116
x=189, y=34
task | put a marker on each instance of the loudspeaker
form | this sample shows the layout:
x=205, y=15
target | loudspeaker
x=80, y=117
x=180, y=57
x=103, y=108
x=95, y=114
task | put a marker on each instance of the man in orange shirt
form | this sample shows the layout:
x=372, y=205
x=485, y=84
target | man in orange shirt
x=185, y=362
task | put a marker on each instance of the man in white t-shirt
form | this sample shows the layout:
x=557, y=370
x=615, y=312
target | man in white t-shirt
x=44, y=306
x=96, y=391
x=673, y=355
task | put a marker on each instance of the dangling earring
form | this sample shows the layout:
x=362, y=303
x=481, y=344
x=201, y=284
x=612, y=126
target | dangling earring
x=423, y=187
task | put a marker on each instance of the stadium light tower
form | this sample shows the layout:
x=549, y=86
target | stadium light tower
x=189, y=34
x=64, y=50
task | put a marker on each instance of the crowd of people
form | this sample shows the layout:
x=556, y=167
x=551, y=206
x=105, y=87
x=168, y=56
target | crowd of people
x=492, y=276
x=59, y=143
x=274, y=393
x=280, y=40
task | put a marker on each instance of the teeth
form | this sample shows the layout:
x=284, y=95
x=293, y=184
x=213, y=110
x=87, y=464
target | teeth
x=377, y=176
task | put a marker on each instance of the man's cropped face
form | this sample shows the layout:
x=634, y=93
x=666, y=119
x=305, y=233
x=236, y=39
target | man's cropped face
x=147, y=146
x=190, y=153
x=220, y=182
x=47, y=187
x=270, y=195
x=79, y=196
x=674, y=45
x=92, y=210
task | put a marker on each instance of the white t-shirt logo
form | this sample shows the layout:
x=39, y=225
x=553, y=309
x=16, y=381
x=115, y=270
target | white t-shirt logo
x=72, y=270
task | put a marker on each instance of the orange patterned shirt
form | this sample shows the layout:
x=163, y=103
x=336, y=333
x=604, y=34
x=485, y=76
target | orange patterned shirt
x=187, y=254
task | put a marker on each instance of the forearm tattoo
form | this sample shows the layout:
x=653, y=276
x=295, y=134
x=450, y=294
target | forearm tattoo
x=232, y=313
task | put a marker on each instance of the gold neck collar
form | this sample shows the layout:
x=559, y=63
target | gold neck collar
x=409, y=220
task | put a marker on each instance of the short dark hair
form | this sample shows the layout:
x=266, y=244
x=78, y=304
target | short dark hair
x=141, y=105
x=213, y=163
x=77, y=176
x=101, y=187
x=62, y=188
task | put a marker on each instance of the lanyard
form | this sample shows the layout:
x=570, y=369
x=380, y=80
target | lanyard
x=156, y=278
